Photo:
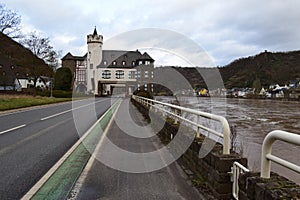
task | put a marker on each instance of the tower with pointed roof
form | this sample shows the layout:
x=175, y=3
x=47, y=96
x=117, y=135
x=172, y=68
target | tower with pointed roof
x=109, y=72
x=94, y=58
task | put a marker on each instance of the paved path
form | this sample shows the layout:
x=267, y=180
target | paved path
x=99, y=181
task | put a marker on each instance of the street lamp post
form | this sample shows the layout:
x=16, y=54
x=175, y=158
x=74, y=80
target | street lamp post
x=51, y=87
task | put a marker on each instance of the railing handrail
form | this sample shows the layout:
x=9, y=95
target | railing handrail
x=267, y=157
x=226, y=129
x=236, y=170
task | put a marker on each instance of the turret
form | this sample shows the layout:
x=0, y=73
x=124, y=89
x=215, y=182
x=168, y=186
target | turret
x=95, y=38
x=94, y=57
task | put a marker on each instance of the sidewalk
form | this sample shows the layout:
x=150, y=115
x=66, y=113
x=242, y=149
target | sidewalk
x=99, y=181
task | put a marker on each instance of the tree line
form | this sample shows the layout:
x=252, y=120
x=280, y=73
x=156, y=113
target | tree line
x=40, y=46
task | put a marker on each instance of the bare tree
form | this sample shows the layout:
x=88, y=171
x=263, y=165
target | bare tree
x=42, y=49
x=9, y=22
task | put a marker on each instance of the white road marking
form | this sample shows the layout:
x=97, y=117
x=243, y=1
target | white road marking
x=57, y=114
x=12, y=129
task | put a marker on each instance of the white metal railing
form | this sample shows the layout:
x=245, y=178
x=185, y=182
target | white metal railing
x=174, y=110
x=236, y=170
x=267, y=157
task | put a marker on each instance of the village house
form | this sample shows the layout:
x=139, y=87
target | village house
x=106, y=72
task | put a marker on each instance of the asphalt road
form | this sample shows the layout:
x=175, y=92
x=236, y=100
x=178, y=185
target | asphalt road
x=33, y=140
x=105, y=181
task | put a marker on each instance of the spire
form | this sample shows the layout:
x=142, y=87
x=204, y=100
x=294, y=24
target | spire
x=95, y=32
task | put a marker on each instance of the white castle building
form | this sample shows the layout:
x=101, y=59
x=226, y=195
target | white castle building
x=107, y=72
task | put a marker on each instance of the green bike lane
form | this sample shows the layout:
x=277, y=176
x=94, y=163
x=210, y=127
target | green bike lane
x=59, y=184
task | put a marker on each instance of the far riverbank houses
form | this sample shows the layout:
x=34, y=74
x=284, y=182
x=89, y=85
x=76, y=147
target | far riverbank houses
x=107, y=72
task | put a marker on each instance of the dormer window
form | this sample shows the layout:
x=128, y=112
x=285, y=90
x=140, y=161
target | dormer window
x=114, y=63
x=105, y=63
x=123, y=63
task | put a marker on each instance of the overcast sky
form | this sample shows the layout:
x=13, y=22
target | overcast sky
x=226, y=30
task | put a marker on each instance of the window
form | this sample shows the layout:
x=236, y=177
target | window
x=139, y=87
x=131, y=75
x=147, y=62
x=152, y=74
x=140, y=62
x=146, y=74
x=106, y=74
x=81, y=75
x=114, y=63
x=133, y=63
x=123, y=63
x=91, y=66
x=145, y=87
x=119, y=74
x=105, y=63
x=138, y=75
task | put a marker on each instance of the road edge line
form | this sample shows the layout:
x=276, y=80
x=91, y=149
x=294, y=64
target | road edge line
x=52, y=170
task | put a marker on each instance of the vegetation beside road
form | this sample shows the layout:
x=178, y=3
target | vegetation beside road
x=8, y=102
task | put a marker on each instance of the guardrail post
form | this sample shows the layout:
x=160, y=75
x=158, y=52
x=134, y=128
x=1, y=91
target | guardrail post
x=267, y=157
x=226, y=129
x=176, y=119
x=198, y=128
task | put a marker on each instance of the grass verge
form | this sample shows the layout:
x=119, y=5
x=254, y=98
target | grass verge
x=9, y=102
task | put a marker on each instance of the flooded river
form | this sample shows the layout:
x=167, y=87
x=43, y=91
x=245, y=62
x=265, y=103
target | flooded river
x=253, y=120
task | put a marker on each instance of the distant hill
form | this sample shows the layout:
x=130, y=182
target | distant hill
x=267, y=67
x=28, y=64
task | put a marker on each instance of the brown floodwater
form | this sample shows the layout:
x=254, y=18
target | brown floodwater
x=253, y=120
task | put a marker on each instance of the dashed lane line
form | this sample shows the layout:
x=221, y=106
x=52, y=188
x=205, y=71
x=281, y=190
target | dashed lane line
x=57, y=114
x=12, y=129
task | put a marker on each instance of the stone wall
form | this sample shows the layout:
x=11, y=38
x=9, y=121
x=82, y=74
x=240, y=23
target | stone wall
x=277, y=187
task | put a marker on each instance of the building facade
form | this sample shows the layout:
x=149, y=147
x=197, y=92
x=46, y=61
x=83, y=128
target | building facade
x=108, y=72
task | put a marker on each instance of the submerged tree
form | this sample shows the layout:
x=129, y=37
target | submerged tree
x=10, y=22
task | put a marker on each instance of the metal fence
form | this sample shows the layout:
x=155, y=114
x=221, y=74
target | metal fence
x=267, y=157
x=176, y=112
